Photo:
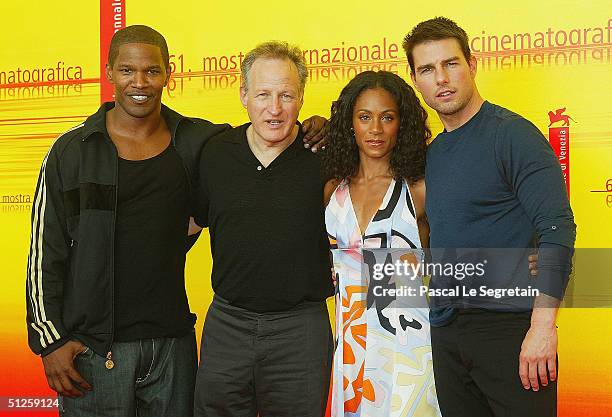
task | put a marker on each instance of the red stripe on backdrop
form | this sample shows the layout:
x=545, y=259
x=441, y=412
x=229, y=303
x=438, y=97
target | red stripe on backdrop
x=559, y=138
x=23, y=377
x=112, y=18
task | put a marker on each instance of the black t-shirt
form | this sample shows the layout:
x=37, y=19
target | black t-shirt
x=267, y=225
x=150, y=243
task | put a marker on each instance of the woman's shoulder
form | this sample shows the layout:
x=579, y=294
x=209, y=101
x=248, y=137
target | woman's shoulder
x=330, y=187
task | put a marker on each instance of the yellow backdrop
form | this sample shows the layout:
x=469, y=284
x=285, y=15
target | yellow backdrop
x=534, y=57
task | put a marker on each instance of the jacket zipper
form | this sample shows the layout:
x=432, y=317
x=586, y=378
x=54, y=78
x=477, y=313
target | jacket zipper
x=110, y=364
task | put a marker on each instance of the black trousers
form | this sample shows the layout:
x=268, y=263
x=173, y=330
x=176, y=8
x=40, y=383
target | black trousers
x=272, y=364
x=476, y=364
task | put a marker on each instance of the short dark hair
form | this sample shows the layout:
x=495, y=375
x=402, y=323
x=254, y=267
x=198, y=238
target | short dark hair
x=138, y=34
x=341, y=155
x=434, y=30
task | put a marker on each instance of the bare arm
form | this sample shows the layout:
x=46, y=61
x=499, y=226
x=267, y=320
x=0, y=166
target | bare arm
x=417, y=190
x=329, y=189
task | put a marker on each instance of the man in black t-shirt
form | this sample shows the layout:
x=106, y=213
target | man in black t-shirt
x=266, y=344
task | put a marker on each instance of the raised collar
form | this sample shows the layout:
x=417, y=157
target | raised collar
x=96, y=123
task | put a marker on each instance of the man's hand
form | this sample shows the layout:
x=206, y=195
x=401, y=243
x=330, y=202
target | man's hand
x=61, y=374
x=533, y=264
x=193, y=227
x=538, y=357
x=315, y=130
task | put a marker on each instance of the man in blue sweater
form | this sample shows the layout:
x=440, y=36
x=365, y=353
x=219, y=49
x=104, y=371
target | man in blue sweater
x=493, y=181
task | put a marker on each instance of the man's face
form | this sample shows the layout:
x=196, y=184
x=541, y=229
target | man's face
x=273, y=98
x=139, y=77
x=443, y=76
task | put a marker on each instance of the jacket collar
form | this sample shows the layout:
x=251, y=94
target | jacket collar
x=96, y=123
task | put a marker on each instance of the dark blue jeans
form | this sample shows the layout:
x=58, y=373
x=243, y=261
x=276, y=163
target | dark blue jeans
x=151, y=378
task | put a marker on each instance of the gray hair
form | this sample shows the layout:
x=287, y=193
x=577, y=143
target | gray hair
x=275, y=50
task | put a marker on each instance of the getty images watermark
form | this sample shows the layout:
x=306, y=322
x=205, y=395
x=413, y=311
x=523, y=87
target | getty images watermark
x=458, y=271
x=489, y=278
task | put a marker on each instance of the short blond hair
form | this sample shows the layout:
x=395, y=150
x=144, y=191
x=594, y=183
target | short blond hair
x=275, y=50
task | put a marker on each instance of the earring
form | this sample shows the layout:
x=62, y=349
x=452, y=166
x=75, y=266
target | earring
x=352, y=131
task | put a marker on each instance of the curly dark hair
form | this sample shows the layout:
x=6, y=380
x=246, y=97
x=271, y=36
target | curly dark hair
x=341, y=155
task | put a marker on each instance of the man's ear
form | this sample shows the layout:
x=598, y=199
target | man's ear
x=109, y=73
x=413, y=78
x=473, y=65
x=243, y=96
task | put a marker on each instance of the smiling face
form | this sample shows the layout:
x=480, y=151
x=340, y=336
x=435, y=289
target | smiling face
x=376, y=122
x=446, y=80
x=273, y=98
x=139, y=76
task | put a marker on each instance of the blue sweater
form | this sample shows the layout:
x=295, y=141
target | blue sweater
x=495, y=182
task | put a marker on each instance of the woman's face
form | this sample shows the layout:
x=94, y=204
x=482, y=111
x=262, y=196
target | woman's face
x=376, y=123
